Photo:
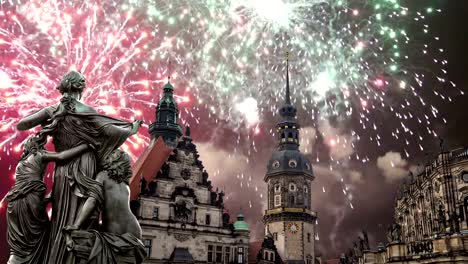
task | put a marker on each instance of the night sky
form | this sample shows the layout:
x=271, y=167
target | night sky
x=372, y=184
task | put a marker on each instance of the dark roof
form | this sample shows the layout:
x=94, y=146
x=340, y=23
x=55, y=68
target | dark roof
x=289, y=161
x=181, y=255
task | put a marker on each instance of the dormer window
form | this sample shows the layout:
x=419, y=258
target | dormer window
x=275, y=164
x=292, y=163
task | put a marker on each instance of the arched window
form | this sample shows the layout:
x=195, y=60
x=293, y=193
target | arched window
x=292, y=187
x=277, y=188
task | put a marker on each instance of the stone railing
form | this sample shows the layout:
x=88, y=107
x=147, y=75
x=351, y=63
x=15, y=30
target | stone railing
x=420, y=248
x=459, y=154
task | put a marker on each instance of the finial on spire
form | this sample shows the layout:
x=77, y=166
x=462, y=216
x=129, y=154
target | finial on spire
x=288, y=97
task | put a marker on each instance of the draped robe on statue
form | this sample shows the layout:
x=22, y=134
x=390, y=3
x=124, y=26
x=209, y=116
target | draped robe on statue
x=74, y=179
x=27, y=218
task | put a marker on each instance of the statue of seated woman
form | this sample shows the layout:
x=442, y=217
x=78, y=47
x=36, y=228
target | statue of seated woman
x=28, y=223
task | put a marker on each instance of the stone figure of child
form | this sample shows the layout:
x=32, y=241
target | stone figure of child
x=28, y=223
x=120, y=235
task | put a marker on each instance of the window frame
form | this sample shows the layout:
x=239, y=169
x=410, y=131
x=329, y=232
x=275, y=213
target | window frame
x=148, y=247
x=155, y=216
x=277, y=188
x=240, y=255
x=292, y=187
x=210, y=251
x=208, y=219
x=218, y=253
x=277, y=200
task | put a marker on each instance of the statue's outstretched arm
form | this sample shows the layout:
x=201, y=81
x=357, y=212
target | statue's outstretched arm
x=67, y=154
x=33, y=120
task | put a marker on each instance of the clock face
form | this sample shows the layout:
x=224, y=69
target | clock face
x=465, y=177
x=293, y=228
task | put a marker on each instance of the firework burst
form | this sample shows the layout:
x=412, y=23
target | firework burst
x=350, y=58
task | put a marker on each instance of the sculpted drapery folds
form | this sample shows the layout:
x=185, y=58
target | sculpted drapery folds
x=71, y=123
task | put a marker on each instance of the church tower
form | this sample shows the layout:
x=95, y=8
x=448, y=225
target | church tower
x=289, y=218
x=167, y=113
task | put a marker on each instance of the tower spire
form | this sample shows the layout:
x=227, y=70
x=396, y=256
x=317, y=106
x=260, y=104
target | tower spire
x=288, y=97
x=288, y=128
x=167, y=114
x=169, y=72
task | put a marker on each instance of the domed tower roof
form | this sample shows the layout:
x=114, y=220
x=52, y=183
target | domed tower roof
x=167, y=114
x=240, y=224
x=287, y=159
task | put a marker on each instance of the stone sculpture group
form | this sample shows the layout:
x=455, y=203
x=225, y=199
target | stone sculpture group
x=91, y=221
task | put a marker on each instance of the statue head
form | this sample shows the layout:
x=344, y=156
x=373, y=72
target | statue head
x=33, y=144
x=72, y=83
x=117, y=165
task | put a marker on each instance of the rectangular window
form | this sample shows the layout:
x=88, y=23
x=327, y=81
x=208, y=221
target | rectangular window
x=148, y=247
x=208, y=219
x=308, y=237
x=227, y=254
x=219, y=254
x=210, y=253
x=240, y=255
x=155, y=213
x=277, y=200
x=275, y=236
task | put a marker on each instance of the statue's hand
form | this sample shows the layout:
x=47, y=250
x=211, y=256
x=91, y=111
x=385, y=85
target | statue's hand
x=69, y=242
x=68, y=239
x=136, y=125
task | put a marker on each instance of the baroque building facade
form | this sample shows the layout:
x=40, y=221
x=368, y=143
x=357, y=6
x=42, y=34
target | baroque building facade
x=289, y=220
x=431, y=216
x=181, y=215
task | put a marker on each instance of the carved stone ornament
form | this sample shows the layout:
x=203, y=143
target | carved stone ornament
x=185, y=173
x=181, y=237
